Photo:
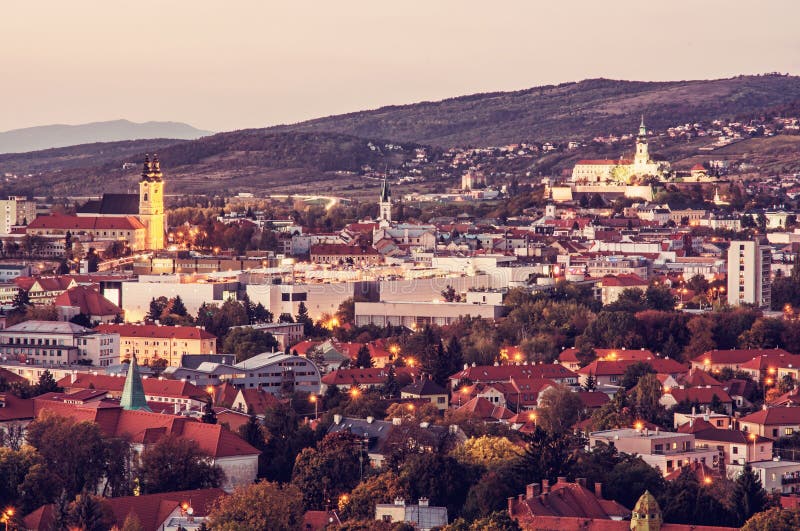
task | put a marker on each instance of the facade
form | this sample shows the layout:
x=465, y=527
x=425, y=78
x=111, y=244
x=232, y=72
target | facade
x=776, y=476
x=150, y=342
x=415, y=315
x=422, y=516
x=123, y=228
x=773, y=423
x=749, y=281
x=58, y=343
x=277, y=373
x=16, y=211
x=343, y=254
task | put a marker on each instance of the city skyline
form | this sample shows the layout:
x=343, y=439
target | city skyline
x=220, y=70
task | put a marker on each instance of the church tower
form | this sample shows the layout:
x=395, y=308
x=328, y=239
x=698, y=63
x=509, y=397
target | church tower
x=642, y=157
x=646, y=514
x=385, y=203
x=151, y=203
x=133, y=397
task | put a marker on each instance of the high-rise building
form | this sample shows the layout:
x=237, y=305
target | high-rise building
x=16, y=211
x=749, y=282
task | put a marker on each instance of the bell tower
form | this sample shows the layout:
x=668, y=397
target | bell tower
x=385, y=203
x=151, y=203
x=642, y=157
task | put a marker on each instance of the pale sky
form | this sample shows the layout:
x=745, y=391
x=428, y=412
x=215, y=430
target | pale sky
x=228, y=64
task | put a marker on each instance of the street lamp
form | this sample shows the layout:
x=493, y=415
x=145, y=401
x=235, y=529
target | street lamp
x=354, y=392
x=314, y=400
x=753, y=438
x=7, y=515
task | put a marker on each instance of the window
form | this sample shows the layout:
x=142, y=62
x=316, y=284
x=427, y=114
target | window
x=788, y=431
x=735, y=450
x=387, y=518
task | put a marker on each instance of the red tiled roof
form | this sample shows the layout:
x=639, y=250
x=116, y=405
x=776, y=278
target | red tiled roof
x=569, y=355
x=259, y=400
x=605, y=162
x=10, y=377
x=593, y=399
x=88, y=300
x=371, y=376
x=145, y=427
x=342, y=249
x=703, y=395
x=152, y=386
x=608, y=368
x=733, y=356
x=772, y=359
x=15, y=408
x=502, y=373
x=65, y=222
x=156, y=331
x=624, y=280
x=481, y=408
x=774, y=416
x=304, y=346
x=697, y=377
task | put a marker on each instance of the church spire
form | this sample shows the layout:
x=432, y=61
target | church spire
x=642, y=128
x=147, y=168
x=133, y=392
x=386, y=193
x=155, y=169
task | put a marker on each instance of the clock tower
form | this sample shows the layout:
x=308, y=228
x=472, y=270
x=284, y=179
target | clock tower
x=151, y=203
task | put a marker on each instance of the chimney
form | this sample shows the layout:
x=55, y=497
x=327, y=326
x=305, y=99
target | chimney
x=399, y=502
x=581, y=482
x=561, y=479
x=177, y=408
x=532, y=490
x=598, y=490
x=397, y=421
x=370, y=420
x=73, y=376
x=423, y=502
x=511, y=505
x=545, y=486
x=337, y=419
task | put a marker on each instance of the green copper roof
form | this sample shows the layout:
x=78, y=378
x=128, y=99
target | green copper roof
x=386, y=194
x=133, y=392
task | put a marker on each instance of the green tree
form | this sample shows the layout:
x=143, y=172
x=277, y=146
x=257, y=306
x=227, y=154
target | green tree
x=175, y=463
x=559, y=408
x=363, y=358
x=441, y=479
x=774, y=519
x=628, y=480
x=209, y=416
x=302, y=317
x=749, y=494
x=246, y=342
x=47, y=384
x=381, y=488
x=157, y=306
x=331, y=469
x=178, y=307
x=263, y=506
x=132, y=523
x=90, y=513
x=634, y=372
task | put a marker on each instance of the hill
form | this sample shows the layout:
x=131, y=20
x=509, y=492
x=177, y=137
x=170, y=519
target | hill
x=562, y=112
x=248, y=160
x=54, y=136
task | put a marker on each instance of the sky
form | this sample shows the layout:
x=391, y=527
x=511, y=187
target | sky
x=231, y=64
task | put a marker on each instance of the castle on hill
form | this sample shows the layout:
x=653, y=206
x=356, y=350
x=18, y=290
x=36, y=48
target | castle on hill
x=622, y=171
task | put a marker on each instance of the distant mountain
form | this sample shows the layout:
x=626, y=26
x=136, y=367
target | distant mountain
x=561, y=112
x=55, y=136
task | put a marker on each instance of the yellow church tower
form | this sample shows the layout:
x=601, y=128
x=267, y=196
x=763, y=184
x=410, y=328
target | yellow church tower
x=151, y=203
x=646, y=514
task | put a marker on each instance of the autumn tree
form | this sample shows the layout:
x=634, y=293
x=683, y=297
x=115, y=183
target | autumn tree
x=774, y=519
x=263, y=506
x=559, y=408
x=175, y=463
x=488, y=452
x=330, y=469
x=90, y=513
x=381, y=488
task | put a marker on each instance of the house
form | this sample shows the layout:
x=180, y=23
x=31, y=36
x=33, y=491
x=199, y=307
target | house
x=504, y=373
x=480, y=408
x=772, y=366
x=150, y=342
x=612, y=372
x=335, y=253
x=277, y=373
x=254, y=400
x=735, y=447
x=166, y=511
x=716, y=360
x=774, y=422
x=370, y=378
x=88, y=301
x=563, y=499
x=777, y=476
x=704, y=397
x=664, y=450
x=382, y=437
x=319, y=520
x=427, y=389
x=612, y=286
x=422, y=516
x=15, y=411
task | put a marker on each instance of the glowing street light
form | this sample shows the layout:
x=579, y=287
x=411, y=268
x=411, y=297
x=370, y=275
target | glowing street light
x=314, y=400
x=7, y=515
x=355, y=392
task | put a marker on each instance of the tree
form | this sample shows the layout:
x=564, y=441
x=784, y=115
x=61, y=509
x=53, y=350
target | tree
x=157, y=307
x=440, y=478
x=634, y=372
x=263, y=506
x=73, y=453
x=628, y=480
x=47, y=384
x=749, y=494
x=325, y=472
x=302, y=317
x=90, y=513
x=487, y=452
x=659, y=297
x=382, y=488
x=92, y=260
x=547, y=456
x=591, y=383
x=644, y=398
x=175, y=463
x=285, y=438
x=391, y=388
x=286, y=318
x=559, y=408
x=177, y=307
x=246, y=342
x=132, y=523
x=774, y=519
x=426, y=412
x=21, y=301
x=209, y=416
x=261, y=314
x=363, y=358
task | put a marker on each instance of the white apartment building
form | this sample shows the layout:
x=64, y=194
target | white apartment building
x=749, y=281
x=416, y=315
x=16, y=210
x=58, y=343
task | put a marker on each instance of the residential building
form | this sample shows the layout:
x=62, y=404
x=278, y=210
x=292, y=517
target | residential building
x=87, y=301
x=427, y=389
x=422, y=516
x=58, y=343
x=749, y=281
x=277, y=373
x=16, y=211
x=369, y=378
x=664, y=450
x=343, y=254
x=150, y=342
x=773, y=422
x=776, y=475
x=417, y=314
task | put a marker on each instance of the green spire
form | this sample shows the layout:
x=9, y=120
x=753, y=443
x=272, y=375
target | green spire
x=642, y=129
x=386, y=194
x=133, y=393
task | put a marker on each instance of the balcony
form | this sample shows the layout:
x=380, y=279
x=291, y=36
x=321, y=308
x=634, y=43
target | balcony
x=792, y=478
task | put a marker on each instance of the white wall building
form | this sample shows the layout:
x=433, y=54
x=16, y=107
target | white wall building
x=749, y=280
